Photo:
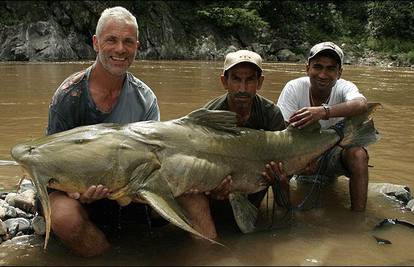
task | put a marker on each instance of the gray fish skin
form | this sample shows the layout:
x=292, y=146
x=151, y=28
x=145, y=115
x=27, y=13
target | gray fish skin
x=158, y=161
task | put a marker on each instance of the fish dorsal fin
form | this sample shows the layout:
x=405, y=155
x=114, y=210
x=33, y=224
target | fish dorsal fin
x=222, y=120
x=314, y=127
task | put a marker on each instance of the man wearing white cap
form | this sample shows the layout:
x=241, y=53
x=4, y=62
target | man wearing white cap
x=242, y=77
x=323, y=96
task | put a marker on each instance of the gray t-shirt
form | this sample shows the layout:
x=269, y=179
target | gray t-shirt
x=73, y=106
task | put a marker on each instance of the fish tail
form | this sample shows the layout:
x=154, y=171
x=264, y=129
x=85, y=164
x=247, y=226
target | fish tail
x=358, y=130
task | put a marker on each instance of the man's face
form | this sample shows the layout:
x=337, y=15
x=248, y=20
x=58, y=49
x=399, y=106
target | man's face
x=323, y=72
x=242, y=83
x=116, y=46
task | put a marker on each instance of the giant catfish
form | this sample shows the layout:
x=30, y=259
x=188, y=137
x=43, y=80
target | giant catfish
x=159, y=161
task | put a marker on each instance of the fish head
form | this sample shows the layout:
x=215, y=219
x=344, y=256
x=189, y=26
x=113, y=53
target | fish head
x=62, y=161
x=22, y=154
x=73, y=160
x=39, y=162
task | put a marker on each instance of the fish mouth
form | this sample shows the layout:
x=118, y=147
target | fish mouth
x=20, y=151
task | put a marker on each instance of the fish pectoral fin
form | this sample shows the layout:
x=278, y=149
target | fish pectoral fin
x=245, y=213
x=165, y=204
x=121, y=196
x=126, y=194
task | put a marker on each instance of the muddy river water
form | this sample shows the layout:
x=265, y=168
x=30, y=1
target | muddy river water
x=328, y=234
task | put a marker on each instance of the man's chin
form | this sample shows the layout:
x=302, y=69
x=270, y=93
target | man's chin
x=117, y=71
x=242, y=102
x=243, y=99
x=324, y=85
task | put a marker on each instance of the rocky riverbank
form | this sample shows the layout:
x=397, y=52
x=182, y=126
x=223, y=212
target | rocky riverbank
x=62, y=31
x=18, y=213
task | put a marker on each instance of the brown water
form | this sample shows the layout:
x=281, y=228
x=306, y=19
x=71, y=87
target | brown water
x=328, y=235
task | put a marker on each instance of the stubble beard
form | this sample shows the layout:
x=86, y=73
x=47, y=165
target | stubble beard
x=116, y=71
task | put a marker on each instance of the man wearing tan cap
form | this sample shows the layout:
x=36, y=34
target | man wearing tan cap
x=242, y=77
x=323, y=96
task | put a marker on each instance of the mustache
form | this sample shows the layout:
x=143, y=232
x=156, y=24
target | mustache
x=243, y=94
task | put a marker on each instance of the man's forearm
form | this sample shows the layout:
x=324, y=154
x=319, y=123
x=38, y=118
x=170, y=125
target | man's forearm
x=349, y=108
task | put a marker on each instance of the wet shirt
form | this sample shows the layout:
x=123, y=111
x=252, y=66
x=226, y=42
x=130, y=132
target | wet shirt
x=73, y=106
x=265, y=115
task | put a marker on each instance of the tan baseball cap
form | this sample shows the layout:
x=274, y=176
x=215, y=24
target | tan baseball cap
x=240, y=56
x=327, y=46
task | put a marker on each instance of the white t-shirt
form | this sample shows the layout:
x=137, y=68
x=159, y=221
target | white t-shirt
x=295, y=95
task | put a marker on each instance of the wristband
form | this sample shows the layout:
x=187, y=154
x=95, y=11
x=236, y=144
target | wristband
x=327, y=111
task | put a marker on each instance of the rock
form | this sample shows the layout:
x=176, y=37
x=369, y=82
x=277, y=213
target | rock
x=39, y=225
x=22, y=241
x=410, y=205
x=206, y=47
x=2, y=213
x=3, y=195
x=404, y=196
x=22, y=214
x=15, y=225
x=20, y=233
x=25, y=198
x=11, y=212
x=387, y=188
x=10, y=198
x=286, y=55
x=24, y=201
x=3, y=228
x=6, y=211
x=397, y=192
x=41, y=41
x=231, y=48
x=26, y=184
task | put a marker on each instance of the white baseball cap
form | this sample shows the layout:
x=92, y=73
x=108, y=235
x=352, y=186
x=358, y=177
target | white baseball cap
x=327, y=46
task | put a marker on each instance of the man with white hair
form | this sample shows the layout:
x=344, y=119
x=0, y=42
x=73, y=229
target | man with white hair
x=104, y=92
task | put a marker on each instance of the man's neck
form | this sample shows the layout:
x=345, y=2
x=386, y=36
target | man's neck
x=104, y=80
x=104, y=87
x=318, y=97
x=243, y=112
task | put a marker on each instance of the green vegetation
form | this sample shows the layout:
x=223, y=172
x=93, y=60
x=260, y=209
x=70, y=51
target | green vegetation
x=384, y=27
x=228, y=17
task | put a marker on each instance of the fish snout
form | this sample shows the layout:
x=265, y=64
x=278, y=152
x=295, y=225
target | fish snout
x=19, y=151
